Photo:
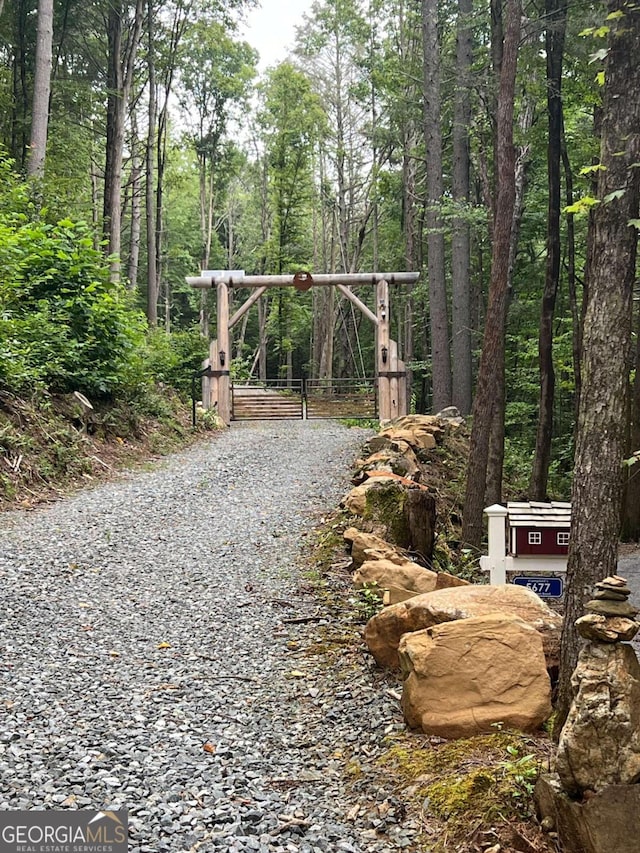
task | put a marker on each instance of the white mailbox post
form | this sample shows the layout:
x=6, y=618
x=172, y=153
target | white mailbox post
x=496, y=561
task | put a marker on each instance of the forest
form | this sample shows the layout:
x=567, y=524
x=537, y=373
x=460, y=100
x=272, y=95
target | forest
x=139, y=145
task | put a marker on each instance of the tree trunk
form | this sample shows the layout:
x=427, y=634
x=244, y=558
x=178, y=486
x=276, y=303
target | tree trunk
x=556, y=19
x=420, y=515
x=115, y=131
x=631, y=528
x=460, y=238
x=263, y=315
x=440, y=356
x=20, y=94
x=323, y=299
x=598, y=479
x=577, y=312
x=122, y=49
x=492, y=359
x=152, y=271
x=411, y=243
x=41, y=91
x=136, y=207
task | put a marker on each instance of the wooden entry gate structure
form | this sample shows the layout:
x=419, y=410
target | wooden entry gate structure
x=303, y=399
x=390, y=370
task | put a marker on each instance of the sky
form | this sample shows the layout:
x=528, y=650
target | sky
x=271, y=28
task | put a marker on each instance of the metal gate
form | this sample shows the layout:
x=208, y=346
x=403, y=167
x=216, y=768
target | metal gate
x=299, y=399
x=272, y=399
x=340, y=398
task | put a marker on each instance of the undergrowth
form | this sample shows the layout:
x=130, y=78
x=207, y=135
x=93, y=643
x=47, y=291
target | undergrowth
x=50, y=445
x=471, y=790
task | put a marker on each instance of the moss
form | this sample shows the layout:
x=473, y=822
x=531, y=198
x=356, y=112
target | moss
x=385, y=507
x=478, y=781
x=463, y=794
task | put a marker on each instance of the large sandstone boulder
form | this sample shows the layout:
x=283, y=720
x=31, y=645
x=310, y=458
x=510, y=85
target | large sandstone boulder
x=382, y=633
x=367, y=546
x=461, y=678
x=386, y=574
x=600, y=743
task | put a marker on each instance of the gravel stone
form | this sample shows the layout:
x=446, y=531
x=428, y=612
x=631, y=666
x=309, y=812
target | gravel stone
x=146, y=664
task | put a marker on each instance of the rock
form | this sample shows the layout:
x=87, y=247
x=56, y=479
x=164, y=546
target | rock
x=392, y=511
x=382, y=633
x=614, y=582
x=418, y=439
x=610, y=595
x=383, y=442
x=396, y=594
x=462, y=678
x=607, y=821
x=386, y=574
x=612, y=608
x=600, y=742
x=607, y=629
x=355, y=501
x=446, y=581
x=404, y=464
x=366, y=546
x=449, y=412
x=414, y=422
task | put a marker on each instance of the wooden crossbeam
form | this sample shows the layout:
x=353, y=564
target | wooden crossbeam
x=324, y=279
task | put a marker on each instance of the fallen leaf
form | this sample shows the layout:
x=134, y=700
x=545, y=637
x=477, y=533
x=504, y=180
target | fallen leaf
x=164, y=645
x=295, y=673
x=209, y=747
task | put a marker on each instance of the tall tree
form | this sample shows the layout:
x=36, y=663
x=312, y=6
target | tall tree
x=41, y=91
x=438, y=313
x=598, y=479
x=124, y=29
x=291, y=118
x=461, y=236
x=556, y=21
x=491, y=370
x=216, y=71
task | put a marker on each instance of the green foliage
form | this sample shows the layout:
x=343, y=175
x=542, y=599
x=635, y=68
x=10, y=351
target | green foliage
x=65, y=326
x=63, y=323
x=173, y=358
x=369, y=600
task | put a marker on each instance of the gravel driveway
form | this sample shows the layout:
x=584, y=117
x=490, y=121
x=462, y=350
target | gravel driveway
x=146, y=661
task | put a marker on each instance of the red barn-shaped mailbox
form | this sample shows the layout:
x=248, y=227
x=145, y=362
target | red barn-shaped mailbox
x=527, y=537
x=539, y=529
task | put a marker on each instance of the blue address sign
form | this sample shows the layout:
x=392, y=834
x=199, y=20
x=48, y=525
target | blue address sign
x=544, y=587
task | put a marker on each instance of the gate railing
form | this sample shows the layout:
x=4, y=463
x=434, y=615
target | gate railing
x=304, y=399
x=269, y=399
x=340, y=398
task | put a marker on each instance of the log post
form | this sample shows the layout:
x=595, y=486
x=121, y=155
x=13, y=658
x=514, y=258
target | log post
x=382, y=359
x=223, y=353
x=394, y=390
